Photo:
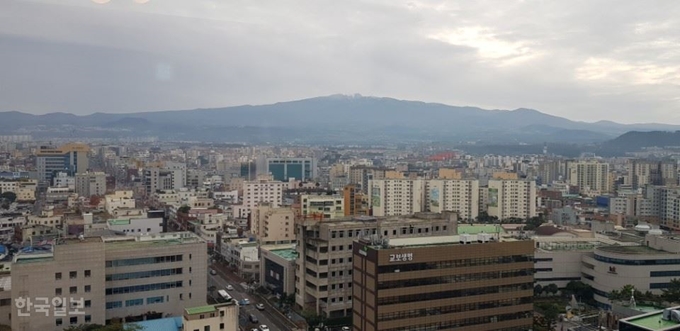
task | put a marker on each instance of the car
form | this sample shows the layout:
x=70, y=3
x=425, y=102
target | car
x=259, y=306
x=253, y=319
x=264, y=328
x=213, y=272
x=345, y=328
x=230, y=288
x=244, y=302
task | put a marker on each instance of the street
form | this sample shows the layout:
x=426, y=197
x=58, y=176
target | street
x=269, y=316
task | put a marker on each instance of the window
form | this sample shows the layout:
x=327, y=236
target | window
x=74, y=320
x=114, y=304
x=221, y=326
x=88, y=273
x=57, y=291
x=154, y=300
x=73, y=289
x=88, y=318
x=206, y=328
x=88, y=288
x=88, y=303
x=134, y=302
x=59, y=322
x=73, y=274
x=57, y=276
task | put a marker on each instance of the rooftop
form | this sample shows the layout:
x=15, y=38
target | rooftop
x=119, y=222
x=200, y=310
x=436, y=241
x=162, y=324
x=652, y=322
x=146, y=241
x=634, y=250
x=479, y=228
x=287, y=253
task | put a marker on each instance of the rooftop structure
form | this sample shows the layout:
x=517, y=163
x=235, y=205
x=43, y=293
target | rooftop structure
x=653, y=321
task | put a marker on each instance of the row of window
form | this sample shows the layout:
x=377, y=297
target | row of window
x=73, y=320
x=144, y=274
x=467, y=322
x=558, y=279
x=73, y=290
x=144, y=260
x=454, y=293
x=72, y=274
x=454, y=279
x=134, y=302
x=455, y=263
x=636, y=262
x=414, y=313
x=143, y=288
x=671, y=273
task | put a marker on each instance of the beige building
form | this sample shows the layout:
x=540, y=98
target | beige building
x=330, y=206
x=223, y=316
x=324, y=254
x=264, y=189
x=448, y=173
x=361, y=175
x=408, y=196
x=108, y=279
x=589, y=176
x=512, y=199
x=23, y=188
x=272, y=225
x=356, y=202
x=504, y=175
x=91, y=183
x=119, y=200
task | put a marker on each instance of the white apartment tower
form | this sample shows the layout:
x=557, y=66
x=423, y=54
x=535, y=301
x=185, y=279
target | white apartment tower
x=590, y=176
x=264, y=189
x=394, y=197
x=512, y=199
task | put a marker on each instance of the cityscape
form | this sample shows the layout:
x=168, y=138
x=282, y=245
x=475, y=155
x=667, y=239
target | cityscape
x=339, y=166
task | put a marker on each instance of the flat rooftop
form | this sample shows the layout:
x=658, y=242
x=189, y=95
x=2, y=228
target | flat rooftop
x=147, y=241
x=119, y=222
x=479, y=228
x=200, y=310
x=634, y=250
x=435, y=241
x=652, y=322
x=286, y=253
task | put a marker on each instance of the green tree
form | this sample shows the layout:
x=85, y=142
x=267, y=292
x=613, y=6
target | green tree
x=672, y=292
x=551, y=289
x=580, y=290
x=9, y=196
x=538, y=289
x=534, y=222
x=184, y=209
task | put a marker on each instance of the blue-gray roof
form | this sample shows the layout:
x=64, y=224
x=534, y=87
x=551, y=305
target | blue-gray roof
x=161, y=324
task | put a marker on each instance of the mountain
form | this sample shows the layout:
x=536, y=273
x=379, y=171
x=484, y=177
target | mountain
x=331, y=119
x=635, y=140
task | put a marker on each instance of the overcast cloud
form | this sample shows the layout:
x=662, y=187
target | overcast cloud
x=581, y=59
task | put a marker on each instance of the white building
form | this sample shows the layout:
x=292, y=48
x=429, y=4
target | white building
x=264, y=189
x=219, y=317
x=589, y=176
x=91, y=183
x=511, y=198
x=62, y=179
x=330, y=206
x=136, y=226
x=119, y=200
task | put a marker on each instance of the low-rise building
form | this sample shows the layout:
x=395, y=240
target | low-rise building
x=223, y=316
x=277, y=268
x=136, y=226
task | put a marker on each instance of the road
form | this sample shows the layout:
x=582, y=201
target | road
x=269, y=316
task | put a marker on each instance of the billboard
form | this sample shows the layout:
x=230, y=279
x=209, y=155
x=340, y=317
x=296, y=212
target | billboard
x=434, y=197
x=493, y=197
x=375, y=196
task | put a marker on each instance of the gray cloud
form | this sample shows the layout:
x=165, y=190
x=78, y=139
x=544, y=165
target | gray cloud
x=584, y=60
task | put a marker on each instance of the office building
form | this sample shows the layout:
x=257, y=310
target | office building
x=104, y=279
x=589, y=176
x=356, y=203
x=324, y=263
x=69, y=158
x=457, y=282
x=264, y=189
x=284, y=169
x=91, y=183
x=277, y=266
x=511, y=199
x=272, y=225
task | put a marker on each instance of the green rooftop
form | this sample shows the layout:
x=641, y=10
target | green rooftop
x=652, y=322
x=286, y=253
x=119, y=222
x=476, y=229
x=201, y=310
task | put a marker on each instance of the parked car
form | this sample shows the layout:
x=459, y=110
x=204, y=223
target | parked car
x=230, y=288
x=260, y=306
x=213, y=272
x=253, y=319
x=264, y=328
x=244, y=302
x=345, y=328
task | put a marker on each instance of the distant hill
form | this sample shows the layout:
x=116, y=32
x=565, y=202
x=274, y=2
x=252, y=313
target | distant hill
x=331, y=119
x=636, y=140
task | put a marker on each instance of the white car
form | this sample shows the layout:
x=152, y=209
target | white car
x=345, y=328
x=230, y=288
x=264, y=328
x=259, y=306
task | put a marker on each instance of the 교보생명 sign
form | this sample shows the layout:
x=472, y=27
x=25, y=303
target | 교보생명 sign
x=401, y=257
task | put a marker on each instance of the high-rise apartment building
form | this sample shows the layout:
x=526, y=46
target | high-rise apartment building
x=326, y=206
x=590, y=176
x=102, y=279
x=272, y=225
x=283, y=169
x=263, y=189
x=391, y=197
x=361, y=175
x=511, y=199
x=651, y=172
x=446, y=282
x=90, y=183
x=165, y=176
x=69, y=158
x=324, y=254
x=356, y=203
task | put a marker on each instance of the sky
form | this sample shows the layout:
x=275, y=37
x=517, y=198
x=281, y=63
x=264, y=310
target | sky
x=585, y=60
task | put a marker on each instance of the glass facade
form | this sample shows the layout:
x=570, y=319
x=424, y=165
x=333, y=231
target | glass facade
x=145, y=260
x=144, y=274
x=143, y=288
